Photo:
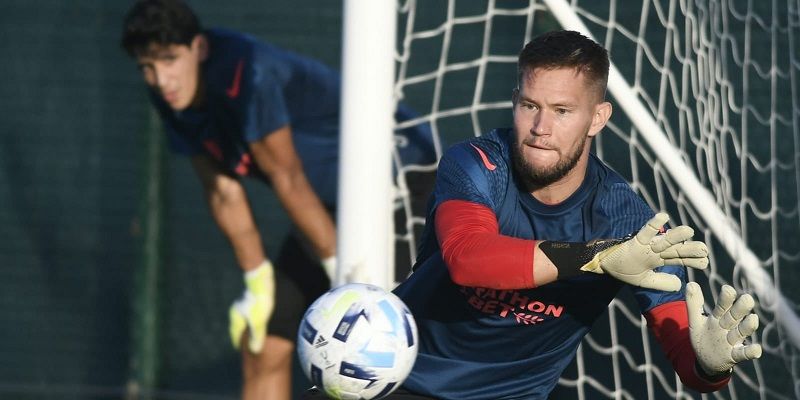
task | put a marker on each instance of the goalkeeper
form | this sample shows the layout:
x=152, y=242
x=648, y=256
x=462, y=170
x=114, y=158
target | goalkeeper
x=500, y=301
x=244, y=108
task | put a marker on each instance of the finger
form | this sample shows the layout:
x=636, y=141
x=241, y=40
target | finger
x=743, y=306
x=256, y=342
x=236, y=327
x=727, y=295
x=691, y=248
x=743, y=353
x=745, y=328
x=661, y=281
x=694, y=304
x=651, y=229
x=257, y=332
x=694, y=262
x=672, y=237
x=685, y=249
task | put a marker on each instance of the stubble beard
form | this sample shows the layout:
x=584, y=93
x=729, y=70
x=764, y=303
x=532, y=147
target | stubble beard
x=534, y=177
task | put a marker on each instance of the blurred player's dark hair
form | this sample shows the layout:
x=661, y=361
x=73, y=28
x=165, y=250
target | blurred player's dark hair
x=158, y=22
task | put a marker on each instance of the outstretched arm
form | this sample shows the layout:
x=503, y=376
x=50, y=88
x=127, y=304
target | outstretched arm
x=469, y=237
x=632, y=260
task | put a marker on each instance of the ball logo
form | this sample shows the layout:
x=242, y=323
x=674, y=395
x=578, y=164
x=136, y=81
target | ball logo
x=320, y=341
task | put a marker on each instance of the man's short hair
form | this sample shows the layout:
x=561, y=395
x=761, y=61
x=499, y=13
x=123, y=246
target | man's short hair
x=566, y=49
x=159, y=22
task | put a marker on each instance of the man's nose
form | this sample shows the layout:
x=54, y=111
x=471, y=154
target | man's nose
x=541, y=123
x=160, y=76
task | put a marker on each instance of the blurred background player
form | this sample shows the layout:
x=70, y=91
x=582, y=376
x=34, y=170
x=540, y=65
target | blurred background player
x=241, y=107
x=495, y=319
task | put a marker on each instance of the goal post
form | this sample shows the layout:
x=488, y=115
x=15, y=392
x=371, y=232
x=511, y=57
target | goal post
x=364, y=225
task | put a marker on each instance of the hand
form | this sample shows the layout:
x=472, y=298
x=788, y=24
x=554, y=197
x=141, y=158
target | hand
x=633, y=260
x=718, y=338
x=329, y=265
x=253, y=310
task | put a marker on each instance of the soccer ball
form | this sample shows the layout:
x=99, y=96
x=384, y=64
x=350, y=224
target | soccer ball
x=357, y=341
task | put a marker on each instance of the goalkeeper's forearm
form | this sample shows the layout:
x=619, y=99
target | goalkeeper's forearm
x=633, y=259
x=569, y=257
x=470, y=241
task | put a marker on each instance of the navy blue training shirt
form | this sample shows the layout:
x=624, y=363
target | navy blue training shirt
x=481, y=343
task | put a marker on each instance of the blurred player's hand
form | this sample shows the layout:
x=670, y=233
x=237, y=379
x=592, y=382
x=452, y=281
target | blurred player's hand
x=632, y=261
x=253, y=310
x=329, y=265
x=718, y=339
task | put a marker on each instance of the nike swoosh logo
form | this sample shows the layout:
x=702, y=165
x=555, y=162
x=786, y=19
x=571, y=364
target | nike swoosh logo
x=486, y=163
x=233, y=91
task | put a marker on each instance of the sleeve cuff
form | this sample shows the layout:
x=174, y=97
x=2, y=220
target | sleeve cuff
x=698, y=370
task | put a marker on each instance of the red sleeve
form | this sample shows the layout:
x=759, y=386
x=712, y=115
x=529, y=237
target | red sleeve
x=669, y=323
x=475, y=252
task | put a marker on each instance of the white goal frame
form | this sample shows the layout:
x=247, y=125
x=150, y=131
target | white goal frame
x=364, y=225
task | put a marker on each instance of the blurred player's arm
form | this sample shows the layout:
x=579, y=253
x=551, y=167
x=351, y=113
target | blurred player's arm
x=230, y=208
x=478, y=255
x=277, y=157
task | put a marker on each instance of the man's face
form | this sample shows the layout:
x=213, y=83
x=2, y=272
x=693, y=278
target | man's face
x=173, y=71
x=555, y=112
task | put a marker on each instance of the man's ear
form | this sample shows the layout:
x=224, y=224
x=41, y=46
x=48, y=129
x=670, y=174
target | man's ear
x=602, y=112
x=200, y=44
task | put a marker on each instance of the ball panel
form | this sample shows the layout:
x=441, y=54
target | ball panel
x=307, y=331
x=410, y=328
x=348, y=321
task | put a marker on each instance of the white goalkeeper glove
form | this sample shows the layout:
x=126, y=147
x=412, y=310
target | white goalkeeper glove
x=329, y=265
x=718, y=338
x=253, y=310
x=632, y=261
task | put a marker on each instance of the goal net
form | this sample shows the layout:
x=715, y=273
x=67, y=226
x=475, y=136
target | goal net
x=706, y=127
